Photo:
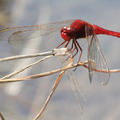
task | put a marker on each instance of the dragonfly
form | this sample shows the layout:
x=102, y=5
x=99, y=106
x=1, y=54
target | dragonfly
x=70, y=31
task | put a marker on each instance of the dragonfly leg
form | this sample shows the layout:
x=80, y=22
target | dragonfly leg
x=61, y=44
x=80, y=50
x=76, y=48
x=76, y=44
x=72, y=51
x=67, y=43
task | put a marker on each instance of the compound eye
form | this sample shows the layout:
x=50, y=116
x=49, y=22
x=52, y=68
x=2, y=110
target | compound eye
x=65, y=33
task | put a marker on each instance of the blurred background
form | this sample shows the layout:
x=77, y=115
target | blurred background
x=23, y=100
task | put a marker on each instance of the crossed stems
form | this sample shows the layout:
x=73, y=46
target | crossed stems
x=62, y=70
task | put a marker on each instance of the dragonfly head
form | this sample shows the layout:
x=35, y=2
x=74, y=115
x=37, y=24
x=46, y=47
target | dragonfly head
x=67, y=33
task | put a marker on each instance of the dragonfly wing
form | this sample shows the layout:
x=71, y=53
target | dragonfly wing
x=96, y=60
x=20, y=34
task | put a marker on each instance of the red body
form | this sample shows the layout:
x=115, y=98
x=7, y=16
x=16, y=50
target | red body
x=82, y=29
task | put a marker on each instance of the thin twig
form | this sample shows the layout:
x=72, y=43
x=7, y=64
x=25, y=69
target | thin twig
x=26, y=56
x=53, y=72
x=39, y=75
x=1, y=116
x=75, y=87
x=26, y=67
x=54, y=52
x=52, y=91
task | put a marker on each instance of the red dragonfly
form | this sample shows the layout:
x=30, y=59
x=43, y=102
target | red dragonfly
x=70, y=30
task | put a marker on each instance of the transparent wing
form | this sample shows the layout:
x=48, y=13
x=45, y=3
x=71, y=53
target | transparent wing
x=96, y=60
x=17, y=35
